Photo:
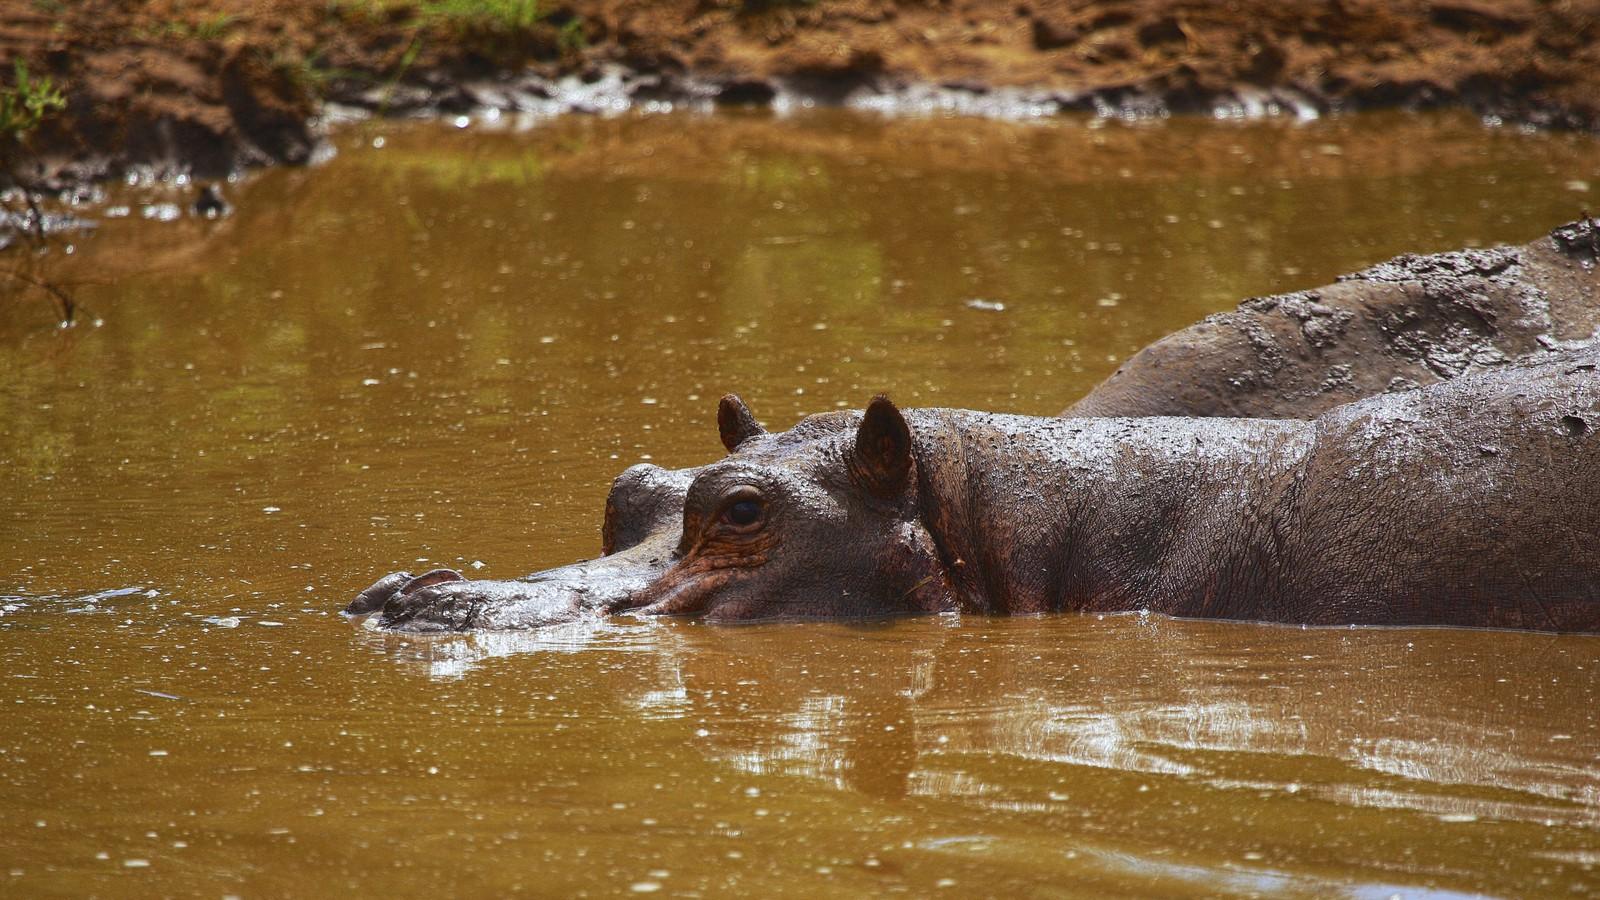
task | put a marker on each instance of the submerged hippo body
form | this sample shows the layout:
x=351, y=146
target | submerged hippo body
x=1472, y=502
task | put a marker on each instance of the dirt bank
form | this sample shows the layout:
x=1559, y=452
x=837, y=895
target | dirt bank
x=217, y=85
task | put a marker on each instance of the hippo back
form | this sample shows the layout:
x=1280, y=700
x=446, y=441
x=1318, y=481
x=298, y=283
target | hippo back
x=1411, y=321
x=1474, y=502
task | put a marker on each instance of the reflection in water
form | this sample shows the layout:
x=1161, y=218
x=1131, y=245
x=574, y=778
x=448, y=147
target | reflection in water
x=440, y=352
x=1154, y=703
x=455, y=656
x=1179, y=754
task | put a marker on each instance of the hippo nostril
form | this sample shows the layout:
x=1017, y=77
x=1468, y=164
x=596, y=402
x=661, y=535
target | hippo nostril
x=429, y=579
x=373, y=598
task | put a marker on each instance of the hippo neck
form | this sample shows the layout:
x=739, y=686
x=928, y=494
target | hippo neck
x=1171, y=515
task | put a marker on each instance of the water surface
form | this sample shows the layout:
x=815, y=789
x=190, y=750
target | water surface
x=439, y=347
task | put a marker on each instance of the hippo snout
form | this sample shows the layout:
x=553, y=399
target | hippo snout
x=440, y=600
x=444, y=600
x=442, y=604
x=393, y=585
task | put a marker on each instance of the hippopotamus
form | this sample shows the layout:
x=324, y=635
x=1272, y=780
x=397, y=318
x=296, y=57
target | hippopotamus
x=1413, y=320
x=1471, y=502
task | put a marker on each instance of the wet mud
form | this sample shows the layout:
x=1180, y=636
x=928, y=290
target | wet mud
x=219, y=85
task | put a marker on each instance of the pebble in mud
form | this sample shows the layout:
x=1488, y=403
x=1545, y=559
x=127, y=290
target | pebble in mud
x=210, y=203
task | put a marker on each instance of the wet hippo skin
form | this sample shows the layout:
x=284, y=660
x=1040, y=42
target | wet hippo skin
x=1412, y=320
x=1471, y=502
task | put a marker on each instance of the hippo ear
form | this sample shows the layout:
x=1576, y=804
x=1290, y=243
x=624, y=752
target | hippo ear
x=882, y=457
x=736, y=422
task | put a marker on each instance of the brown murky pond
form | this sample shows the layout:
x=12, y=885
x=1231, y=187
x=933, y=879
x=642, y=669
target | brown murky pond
x=438, y=348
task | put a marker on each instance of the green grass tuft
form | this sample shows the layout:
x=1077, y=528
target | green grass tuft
x=491, y=15
x=27, y=103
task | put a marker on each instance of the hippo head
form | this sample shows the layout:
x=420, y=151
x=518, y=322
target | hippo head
x=821, y=521
x=818, y=522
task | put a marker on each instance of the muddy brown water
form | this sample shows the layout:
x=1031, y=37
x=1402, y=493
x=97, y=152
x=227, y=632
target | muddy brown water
x=437, y=349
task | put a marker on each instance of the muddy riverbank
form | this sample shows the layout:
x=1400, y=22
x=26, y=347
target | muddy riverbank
x=212, y=86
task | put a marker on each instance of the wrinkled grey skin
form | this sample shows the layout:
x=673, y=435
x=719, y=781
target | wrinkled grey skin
x=1412, y=320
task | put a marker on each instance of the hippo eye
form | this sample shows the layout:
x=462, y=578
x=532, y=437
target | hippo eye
x=744, y=512
x=744, y=507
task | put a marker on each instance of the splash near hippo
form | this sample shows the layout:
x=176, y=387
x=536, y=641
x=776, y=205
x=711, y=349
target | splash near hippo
x=1464, y=502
